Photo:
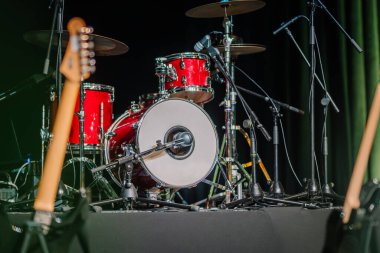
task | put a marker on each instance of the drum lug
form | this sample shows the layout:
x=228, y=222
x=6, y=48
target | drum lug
x=108, y=135
x=184, y=80
x=209, y=81
x=112, y=98
x=135, y=125
x=207, y=65
x=182, y=64
x=135, y=107
x=128, y=149
x=172, y=73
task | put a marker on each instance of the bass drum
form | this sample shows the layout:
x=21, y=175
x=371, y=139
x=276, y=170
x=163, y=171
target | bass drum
x=173, y=168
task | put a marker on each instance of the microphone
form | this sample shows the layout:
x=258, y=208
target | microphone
x=205, y=42
x=284, y=25
x=185, y=139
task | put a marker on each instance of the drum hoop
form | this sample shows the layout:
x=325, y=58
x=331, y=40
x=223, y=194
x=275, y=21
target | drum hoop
x=111, y=129
x=149, y=96
x=98, y=87
x=142, y=160
x=186, y=55
x=193, y=88
x=106, y=144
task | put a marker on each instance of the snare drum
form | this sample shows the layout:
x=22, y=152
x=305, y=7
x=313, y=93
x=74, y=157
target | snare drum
x=175, y=168
x=98, y=106
x=188, y=77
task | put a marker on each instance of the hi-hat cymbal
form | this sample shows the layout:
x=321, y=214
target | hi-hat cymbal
x=225, y=8
x=104, y=46
x=243, y=49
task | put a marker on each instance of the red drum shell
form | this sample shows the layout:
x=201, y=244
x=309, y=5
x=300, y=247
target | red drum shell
x=122, y=133
x=94, y=96
x=193, y=77
x=140, y=127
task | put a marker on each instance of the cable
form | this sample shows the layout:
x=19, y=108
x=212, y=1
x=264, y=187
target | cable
x=282, y=130
x=19, y=170
x=319, y=178
x=287, y=155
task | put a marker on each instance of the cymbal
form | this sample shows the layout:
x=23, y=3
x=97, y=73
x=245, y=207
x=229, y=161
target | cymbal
x=225, y=8
x=243, y=49
x=104, y=46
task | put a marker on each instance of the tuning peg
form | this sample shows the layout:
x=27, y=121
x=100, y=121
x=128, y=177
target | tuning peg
x=87, y=30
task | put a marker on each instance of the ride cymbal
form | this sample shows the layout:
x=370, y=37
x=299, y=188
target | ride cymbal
x=104, y=46
x=225, y=8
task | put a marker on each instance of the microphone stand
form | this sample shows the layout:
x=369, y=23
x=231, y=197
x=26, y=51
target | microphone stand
x=256, y=193
x=128, y=191
x=312, y=186
x=276, y=190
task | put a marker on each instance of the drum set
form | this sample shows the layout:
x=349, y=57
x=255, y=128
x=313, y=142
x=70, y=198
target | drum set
x=167, y=137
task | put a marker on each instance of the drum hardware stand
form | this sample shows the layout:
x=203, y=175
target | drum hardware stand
x=129, y=194
x=215, y=55
x=81, y=139
x=229, y=107
x=101, y=133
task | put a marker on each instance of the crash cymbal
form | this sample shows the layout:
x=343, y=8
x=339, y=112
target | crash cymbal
x=104, y=46
x=225, y=8
x=243, y=49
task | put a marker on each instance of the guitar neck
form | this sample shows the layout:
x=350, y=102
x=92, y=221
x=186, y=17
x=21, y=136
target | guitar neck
x=352, y=200
x=55, y=157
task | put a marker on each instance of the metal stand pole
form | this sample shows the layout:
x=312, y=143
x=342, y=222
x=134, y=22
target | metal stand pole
x=229, y=108
x=81, y=139
x=312, y=186
x=327, y=190
x=277, y=190
x=256, y=191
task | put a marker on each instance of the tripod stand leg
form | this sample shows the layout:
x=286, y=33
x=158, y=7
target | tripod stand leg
x=33, y=228
x=216, y=172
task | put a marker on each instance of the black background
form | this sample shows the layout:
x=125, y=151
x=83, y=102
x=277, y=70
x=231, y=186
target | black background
x=154, y=29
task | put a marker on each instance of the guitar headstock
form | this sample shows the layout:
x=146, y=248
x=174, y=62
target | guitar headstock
x=79, y=62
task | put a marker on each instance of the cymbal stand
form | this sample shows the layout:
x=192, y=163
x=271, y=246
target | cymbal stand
x=81, y=115
x=56, y=27
x=229, y=106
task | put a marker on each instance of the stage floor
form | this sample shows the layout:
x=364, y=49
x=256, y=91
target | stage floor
x=269, y=229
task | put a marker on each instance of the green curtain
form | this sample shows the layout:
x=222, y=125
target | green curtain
x=351, y=80
x=356, y=76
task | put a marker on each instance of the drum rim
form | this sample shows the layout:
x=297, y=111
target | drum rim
x=142, y=160
x=106, y=144
x=193, y=88
x=98, y=87
x=150, y=96
x=186, y=55
x=127, y=114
